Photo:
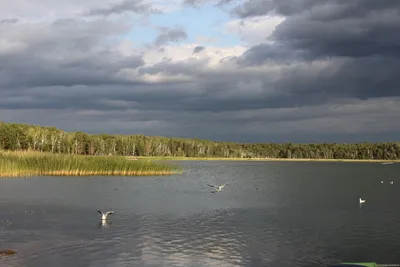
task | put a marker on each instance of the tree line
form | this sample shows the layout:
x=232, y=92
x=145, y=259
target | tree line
x=14, y=136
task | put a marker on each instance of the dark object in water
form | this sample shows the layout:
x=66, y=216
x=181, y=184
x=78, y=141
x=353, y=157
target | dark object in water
x=7, y=252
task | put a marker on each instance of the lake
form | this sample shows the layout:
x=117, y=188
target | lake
x=274, y=214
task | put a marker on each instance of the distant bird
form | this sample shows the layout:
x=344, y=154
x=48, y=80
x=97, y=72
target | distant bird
x=218, y=188
x=361, y=200
x=105, y=215
x=391, y=182
x=381, y=182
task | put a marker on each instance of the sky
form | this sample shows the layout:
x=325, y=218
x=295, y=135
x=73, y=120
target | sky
x=227, y=70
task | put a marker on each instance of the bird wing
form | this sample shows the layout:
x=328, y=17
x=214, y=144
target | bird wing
x=99, y=211
x=212, y=185
x=109, y=212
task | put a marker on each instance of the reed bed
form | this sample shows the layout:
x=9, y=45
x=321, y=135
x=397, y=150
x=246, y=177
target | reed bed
x=26, y=163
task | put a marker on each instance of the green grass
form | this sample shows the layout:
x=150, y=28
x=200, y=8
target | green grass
x=16, y=164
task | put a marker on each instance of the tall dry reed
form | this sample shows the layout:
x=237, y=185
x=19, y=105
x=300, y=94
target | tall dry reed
x=28, y=163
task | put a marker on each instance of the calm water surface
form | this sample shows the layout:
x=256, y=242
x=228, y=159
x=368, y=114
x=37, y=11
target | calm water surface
x=274, y=214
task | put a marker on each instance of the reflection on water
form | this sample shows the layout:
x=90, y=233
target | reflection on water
x=216, y=238
x=104, y=224
x=294, y=218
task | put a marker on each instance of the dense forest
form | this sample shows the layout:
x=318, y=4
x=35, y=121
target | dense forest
x=15, y=136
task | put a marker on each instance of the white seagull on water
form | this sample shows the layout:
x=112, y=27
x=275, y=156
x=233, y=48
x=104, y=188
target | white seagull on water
x=361, y=200
x=104, y=215
x=218, y=188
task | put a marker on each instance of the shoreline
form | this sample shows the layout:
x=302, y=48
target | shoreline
x=260, y=159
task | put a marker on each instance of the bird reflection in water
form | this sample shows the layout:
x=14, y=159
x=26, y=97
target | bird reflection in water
x=104, y=224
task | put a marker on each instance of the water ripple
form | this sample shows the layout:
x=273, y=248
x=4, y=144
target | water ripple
x=295, y=218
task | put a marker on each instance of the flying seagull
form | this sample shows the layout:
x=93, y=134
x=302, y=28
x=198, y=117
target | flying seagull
x=218, y=188
x=104, y=215
x=361, y=200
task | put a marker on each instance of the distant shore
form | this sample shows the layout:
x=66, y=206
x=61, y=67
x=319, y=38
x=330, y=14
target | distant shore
x=259, y=159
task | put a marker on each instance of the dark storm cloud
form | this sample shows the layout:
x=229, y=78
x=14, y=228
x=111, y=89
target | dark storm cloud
x=92, y=69
x=170, y=35
x=327, y=9
x=364, y=78
x=307, y=83
x=136, y=6
x=332, y=28
x=268, y=125
x=263, y=53
x=43, y=61
x=354, y=38
x=63, y=35
x=198, y=49
x=252, y=8
x=76, y=75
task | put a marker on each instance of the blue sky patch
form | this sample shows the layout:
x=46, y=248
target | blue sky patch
x=207, y=21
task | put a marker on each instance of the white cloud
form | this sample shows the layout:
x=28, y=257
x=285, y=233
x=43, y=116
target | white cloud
x=184, y=52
